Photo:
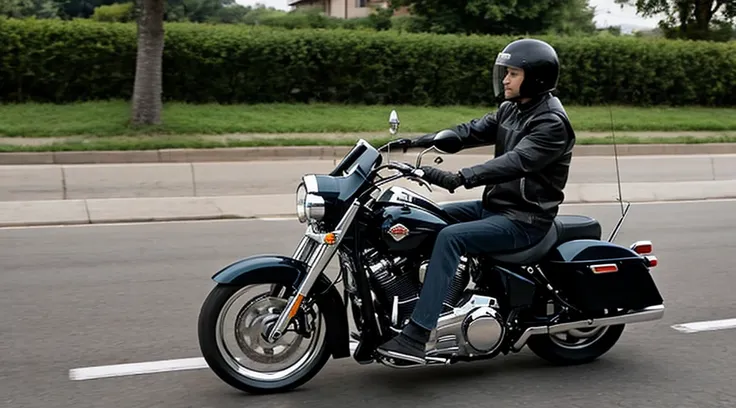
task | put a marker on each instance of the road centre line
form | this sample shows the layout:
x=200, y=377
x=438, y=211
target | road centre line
x=149, y=367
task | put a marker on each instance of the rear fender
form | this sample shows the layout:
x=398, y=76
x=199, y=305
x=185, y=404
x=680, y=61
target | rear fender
x=287, y=271
x=591, y=250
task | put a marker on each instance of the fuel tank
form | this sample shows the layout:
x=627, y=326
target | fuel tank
x=409, y=221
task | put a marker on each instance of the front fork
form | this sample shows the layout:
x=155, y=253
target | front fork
x=319, y=257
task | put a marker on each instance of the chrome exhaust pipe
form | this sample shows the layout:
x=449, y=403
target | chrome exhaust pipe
x=644, y=315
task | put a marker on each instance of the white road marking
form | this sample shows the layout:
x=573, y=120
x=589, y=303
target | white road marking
x=711, y=325
x=149, y=367
x=119, y=370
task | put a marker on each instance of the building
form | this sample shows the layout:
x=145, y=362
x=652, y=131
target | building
x=344, y=8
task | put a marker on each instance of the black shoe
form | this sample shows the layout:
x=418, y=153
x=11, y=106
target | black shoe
x=403, y=348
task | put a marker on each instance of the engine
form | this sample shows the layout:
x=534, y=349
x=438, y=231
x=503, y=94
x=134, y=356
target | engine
x=469, y=325
x=399, y=284
x=476, y=327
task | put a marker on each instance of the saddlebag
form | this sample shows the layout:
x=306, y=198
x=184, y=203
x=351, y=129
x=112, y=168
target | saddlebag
x=595, y=275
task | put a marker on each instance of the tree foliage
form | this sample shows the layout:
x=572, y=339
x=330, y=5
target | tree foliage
x=691, y=19
x=499, y=17
x=175, y=10
x=29, y=8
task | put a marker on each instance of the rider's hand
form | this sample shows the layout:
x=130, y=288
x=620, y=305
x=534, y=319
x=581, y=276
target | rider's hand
x=445, y=179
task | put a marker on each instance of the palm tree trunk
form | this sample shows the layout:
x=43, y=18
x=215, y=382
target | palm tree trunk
x=147, y=89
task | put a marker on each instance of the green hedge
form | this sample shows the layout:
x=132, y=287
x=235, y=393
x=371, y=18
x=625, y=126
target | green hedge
x=57, y=61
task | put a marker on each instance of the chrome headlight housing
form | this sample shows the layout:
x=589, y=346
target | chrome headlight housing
x=309, y=205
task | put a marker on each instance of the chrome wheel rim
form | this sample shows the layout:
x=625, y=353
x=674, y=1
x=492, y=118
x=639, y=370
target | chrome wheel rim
x=576, y=339
x=241, y=325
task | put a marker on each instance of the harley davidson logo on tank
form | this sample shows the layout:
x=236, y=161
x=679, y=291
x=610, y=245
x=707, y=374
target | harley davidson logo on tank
x=398, y=232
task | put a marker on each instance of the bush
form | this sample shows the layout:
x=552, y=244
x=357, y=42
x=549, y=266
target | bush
x=118, y=12
x=82, y=60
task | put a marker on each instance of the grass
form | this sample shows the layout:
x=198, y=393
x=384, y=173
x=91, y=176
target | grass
x=193, y=142
x=109, y=118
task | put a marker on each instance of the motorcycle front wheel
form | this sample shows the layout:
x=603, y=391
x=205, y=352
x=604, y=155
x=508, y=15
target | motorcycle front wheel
x=233, y=323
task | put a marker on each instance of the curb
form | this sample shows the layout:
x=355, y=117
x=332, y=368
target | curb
x=120, y=210
x=238, y=154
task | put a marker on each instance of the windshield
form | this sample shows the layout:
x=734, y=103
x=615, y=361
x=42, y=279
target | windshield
x=362, y=156
x=350, y=175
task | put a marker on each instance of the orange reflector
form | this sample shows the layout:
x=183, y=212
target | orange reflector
x=295, y=309
x=330, y=238
x=605, y=268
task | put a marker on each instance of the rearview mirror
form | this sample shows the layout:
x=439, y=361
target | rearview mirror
x=393, y=120
x=448, y=142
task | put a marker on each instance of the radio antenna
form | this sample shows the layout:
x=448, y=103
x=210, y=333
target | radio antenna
x=624, y=211
x=615, y=158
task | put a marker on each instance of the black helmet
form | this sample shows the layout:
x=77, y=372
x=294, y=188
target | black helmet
x=539, y=62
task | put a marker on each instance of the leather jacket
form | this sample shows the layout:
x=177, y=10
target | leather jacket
x=533, y=150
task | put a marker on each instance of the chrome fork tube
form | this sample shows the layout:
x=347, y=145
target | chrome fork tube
x=299, y=252
x=317, y=262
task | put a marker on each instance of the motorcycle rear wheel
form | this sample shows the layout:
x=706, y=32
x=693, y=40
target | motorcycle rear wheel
x=575, y=346
x=245, y=333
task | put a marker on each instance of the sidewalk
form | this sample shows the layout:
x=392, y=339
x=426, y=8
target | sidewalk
x=78, y=193
x=94, y=211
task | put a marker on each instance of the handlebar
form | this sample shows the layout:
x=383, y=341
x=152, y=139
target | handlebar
x=406, y=170
x=404, y=144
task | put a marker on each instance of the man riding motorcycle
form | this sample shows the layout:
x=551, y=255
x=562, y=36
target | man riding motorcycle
x=524, y=182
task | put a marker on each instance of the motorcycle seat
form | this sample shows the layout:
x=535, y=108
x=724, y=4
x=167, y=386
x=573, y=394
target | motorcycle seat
x=565, y=228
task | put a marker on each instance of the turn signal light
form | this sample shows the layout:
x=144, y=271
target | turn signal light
x=330, y=238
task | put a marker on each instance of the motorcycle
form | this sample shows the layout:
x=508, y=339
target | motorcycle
x=568, y=297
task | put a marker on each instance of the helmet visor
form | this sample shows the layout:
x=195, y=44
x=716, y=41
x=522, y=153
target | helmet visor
x=499, y=73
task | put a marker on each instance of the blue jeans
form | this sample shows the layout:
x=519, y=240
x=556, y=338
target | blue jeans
x=477, y=232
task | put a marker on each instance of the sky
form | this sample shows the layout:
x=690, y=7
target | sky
x=608, y=13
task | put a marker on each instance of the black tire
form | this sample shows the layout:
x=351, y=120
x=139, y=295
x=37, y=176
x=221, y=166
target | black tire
x=543, y=346
x=207, y=329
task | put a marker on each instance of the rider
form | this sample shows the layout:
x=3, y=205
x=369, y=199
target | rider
x=524, y=182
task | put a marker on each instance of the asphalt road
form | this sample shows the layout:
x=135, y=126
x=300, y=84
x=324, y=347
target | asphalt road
x=87, y=296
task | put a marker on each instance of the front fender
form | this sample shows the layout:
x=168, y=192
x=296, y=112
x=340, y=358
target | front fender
x=262, y=269
x=288, y=271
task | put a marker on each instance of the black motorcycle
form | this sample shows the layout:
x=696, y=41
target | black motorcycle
x=273, y=321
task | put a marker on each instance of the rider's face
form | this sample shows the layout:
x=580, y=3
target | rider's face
x=512, y=82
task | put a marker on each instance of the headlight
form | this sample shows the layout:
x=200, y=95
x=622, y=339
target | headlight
x=301, y=197
x=308, y=206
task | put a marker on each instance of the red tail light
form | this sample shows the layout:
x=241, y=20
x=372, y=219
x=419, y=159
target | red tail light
x=651, y=261
x=642, y=247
